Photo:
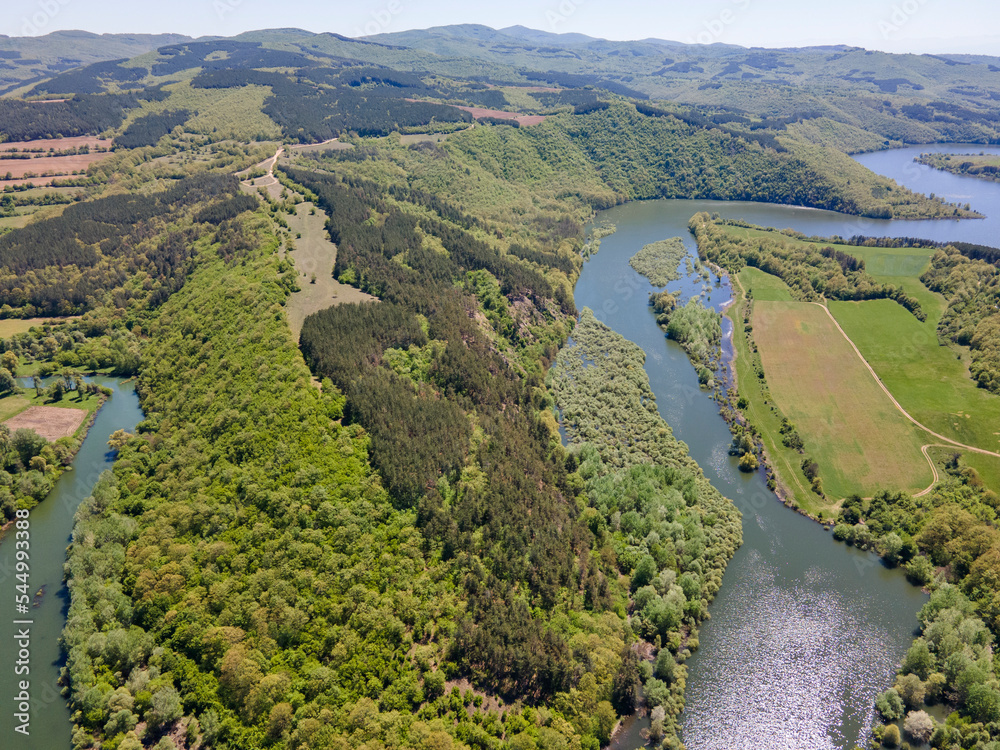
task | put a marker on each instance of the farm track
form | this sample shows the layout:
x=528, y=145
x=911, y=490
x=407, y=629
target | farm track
x=951, y=443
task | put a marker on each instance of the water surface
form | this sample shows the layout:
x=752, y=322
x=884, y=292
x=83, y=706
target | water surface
x=805, y=632
x=51, y=524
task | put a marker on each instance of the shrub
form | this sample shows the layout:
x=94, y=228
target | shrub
x=890, y=737
x=748, y=463
x=919, y=725
x=890, y=705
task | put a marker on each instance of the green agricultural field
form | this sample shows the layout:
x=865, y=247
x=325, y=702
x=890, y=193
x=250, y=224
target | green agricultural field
x=764, y=286
x=850, y=427
x=930, y=380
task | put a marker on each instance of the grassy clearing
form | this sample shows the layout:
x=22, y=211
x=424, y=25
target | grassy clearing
x=13, y=326
x=314, y=256
x=764, y=286
x=850, y=428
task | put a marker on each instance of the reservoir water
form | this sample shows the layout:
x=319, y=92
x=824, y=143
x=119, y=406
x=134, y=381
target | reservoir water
x=51, y=524
x=805, y=632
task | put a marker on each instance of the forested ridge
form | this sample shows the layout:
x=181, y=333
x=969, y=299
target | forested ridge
x=71, y=263
x=257, y=585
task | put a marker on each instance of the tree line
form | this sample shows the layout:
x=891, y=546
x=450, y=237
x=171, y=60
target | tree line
x=810, y=271
x=972, y=318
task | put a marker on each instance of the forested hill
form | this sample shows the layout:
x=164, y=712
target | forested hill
x=910, y=98
x=276, y=86
x=28, y=59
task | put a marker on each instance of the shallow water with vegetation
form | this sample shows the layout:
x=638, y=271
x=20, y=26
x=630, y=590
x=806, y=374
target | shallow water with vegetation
x=805, y=632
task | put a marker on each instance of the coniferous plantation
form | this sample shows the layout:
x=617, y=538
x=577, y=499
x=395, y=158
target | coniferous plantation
x=374, y=537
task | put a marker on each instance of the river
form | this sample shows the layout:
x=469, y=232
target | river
x=51, y=524
x=805, y=632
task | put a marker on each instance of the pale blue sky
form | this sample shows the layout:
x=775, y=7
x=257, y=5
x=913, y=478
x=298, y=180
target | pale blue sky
x=891, y=25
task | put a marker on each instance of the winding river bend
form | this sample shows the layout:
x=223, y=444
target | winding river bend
x=51, y=524
x=805, y=632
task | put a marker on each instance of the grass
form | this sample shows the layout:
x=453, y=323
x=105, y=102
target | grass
x=11, y=405
x=930, y=380
x=784, y=461
x=764, y=286
x=13, y=326
x=850, y=427
x=314, y=254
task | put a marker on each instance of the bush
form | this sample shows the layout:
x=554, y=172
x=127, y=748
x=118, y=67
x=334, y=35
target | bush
x=28, y=444
x=890, y=705
x=919, y=725
x=666, y=666
x=911, y=690
x=890, y=737
x=920, y=570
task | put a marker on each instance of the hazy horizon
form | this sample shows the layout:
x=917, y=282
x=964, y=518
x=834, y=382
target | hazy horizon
x=900, y=26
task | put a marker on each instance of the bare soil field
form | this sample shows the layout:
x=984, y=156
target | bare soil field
x=59, y=144
x=524, y=120
x=43, y=170
x=51, y=422
x=851, y=428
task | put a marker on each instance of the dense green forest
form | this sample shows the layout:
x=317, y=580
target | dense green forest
x=377, y=540
x=117, y=245
x=84, y=114
x=278, y=590
x=947, y=541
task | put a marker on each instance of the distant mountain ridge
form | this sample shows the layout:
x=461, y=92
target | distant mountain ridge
x=28, y=59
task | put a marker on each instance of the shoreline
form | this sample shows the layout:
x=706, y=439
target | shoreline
x=80, y=435
x=728, y=396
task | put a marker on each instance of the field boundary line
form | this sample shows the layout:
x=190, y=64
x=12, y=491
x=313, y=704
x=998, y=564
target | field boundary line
x=892, y=398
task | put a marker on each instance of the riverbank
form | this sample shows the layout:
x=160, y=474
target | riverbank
x=50, y=528
x=805, y=632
